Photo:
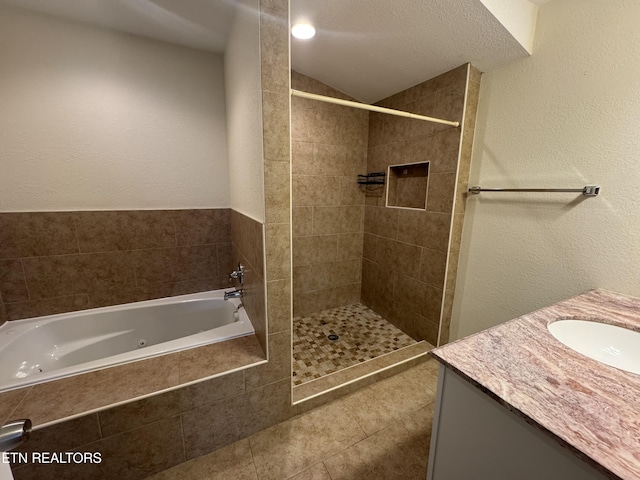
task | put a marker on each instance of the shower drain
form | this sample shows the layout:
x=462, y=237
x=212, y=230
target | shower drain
x=333, y=337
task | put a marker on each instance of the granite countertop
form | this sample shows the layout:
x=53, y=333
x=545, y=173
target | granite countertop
x=588, y=406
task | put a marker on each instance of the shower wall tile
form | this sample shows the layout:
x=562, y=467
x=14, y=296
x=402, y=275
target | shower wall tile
x=346, y=160
x=302, y=219
x=248, y=238
x=303, y=159
x=441, y=150
x=274, y=40
x=328, y=220
x=278, y=251
x=350, y=192
x=275, y=138
x=350, y=245
x=440, y=193
x=37, y=233
x=433, y=265
x=377, y=284
x=326, y=275
x=399, y=256
x=279, y=305
x=69, y=261
x=329, y=151
x=277, y=191
x=449, y=105
x=405, y=251
x=437, y=227
x=317, y=249
x=370, y=247
x=317, y=300
x=310, y=190
x=382, y=221
x=268, y=386
x=471, y=110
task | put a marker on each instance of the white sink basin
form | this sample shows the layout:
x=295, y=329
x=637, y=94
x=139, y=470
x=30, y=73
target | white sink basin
x=615, y=346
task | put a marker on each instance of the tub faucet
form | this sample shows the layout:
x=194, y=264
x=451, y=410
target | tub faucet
x=233, y=294
x=237, y=274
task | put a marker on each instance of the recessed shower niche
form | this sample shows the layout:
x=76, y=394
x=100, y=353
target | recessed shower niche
x=408, y=185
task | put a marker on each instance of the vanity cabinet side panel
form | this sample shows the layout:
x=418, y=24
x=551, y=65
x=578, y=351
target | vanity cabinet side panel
x=474, y=437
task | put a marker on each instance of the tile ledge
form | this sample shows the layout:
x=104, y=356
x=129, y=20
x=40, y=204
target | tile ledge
x=252, y=355
x=356, y=376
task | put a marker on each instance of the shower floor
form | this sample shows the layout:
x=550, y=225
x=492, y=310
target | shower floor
x=363, y=335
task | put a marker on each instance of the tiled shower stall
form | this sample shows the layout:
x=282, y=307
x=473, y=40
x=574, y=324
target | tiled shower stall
x=393, y=251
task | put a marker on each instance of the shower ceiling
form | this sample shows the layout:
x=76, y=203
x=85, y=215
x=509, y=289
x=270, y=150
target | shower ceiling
x=369, y=49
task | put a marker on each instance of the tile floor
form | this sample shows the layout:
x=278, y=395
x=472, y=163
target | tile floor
x=378, y=433
x=363, y=335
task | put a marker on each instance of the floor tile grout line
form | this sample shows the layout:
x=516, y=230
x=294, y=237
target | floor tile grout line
x=253, y=458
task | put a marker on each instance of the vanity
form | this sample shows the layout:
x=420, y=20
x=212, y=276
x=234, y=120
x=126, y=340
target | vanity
x=514, y=402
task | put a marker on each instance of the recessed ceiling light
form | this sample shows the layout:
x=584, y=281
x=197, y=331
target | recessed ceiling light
x=303, y=31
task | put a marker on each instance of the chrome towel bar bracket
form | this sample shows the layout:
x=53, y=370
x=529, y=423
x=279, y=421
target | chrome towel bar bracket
x=588, y=190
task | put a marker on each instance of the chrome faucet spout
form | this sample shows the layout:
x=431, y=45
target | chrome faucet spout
x=233, y=294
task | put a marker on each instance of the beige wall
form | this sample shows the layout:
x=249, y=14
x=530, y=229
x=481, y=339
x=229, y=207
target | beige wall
x=329, y=151
x=565, y=117
x=244, y=122
x=93, y=119
x=405, y=250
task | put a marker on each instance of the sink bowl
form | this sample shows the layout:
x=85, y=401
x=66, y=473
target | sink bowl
x=615, y=346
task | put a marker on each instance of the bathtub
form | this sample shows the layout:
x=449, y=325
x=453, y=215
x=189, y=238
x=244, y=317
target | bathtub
x=47, y=348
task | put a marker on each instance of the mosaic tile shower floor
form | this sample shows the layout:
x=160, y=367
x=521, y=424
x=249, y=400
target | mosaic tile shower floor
x=363, y=335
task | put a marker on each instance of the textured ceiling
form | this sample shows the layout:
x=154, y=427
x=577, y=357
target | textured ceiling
x=368, y=49
x=371, y=49
x=202, y=24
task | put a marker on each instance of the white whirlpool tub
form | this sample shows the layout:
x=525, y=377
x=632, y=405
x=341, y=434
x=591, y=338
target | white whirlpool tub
x=47, y=348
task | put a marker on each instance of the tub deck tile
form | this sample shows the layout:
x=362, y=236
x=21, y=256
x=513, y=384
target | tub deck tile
x=197, y=362
x=54, y=401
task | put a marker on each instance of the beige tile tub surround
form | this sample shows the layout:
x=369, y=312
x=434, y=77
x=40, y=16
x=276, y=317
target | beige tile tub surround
x=588, y=407
x=55, y=262
x=248, y=249
x=329, y=151
x=407, y=253
x=195, y=419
